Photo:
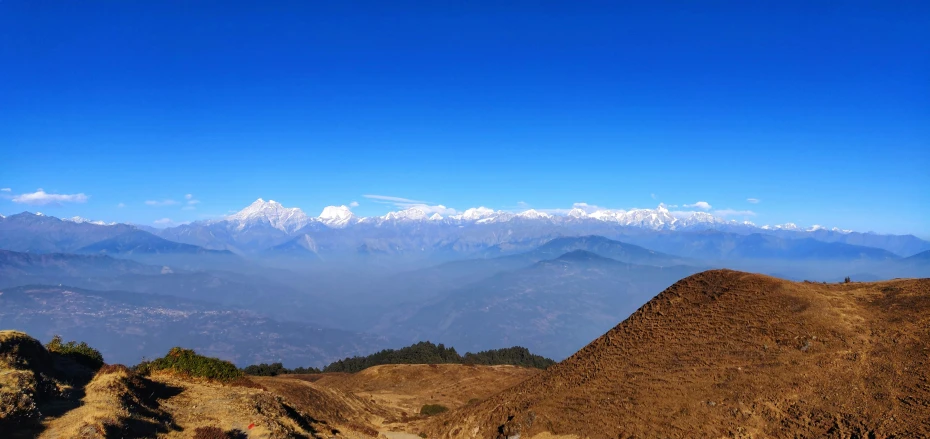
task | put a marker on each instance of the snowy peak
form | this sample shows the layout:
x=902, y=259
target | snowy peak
x=409, y=214
x=577, y=213
x=81, y=220
x=534, y=214
x=337, y=216
x=475, y=214
x=271, y=213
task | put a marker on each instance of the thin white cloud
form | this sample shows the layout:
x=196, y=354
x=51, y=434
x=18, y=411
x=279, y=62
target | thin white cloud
x=653, y=196
x=161, y=203
x=41, y=198
x=523, y=204
x=753, y=200
x=6, y=189
x=406, y=203
x=353, y=204
x=389, y=199
x=703, y=205
x=671, y=206
x=731, y=212
x=188, y=197
x=121, y=205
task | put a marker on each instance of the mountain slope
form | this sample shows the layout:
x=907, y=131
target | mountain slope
x=127, y=326
x=552, y=307
x=456, y=273
x=141, y=242
x=731, y=354
x=35, y=233
x=17, y=265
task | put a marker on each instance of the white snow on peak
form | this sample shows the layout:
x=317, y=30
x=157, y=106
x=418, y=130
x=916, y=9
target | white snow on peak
x=816, y=227
x=436, y=217
x=533, y=214
x=410, y=214
x=40, y=214
x=787, y=226
x=79, y=220
x=577, y=213
x=336, y=216
x=475, y=213
x=272, y=213
x=839, y=230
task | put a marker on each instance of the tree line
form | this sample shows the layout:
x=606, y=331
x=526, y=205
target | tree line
x=423, y=352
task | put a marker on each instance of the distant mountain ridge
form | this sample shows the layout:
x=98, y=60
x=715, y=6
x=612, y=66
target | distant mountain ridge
x=265, y=227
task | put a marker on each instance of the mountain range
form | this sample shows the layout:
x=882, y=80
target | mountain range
x=268, y=229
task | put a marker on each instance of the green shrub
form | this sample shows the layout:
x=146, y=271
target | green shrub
x=433, y=409
x=79, y=352
x=188, y=362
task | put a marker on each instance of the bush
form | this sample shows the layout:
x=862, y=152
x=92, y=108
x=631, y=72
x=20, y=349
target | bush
x=79, y=352
x=210, y=433
x=433, y=409
x=188, y=362
x=274, y=369
x=433, y=354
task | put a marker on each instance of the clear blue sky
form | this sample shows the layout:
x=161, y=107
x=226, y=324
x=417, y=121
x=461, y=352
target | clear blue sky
x=821, y=110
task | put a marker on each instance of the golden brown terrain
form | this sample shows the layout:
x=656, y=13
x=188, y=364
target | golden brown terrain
x=720, y=354
x=731, y=354
x=50, y=397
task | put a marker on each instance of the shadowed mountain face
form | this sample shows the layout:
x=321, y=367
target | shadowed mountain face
x=722, y=352
x=141, y=242
x=552, y=307
x=713, y=245
x=27, y=232
x=126, y=327
x=221, y=288
x=18, y=267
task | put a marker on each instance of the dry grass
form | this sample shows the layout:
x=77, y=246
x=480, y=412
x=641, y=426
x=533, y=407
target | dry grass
x=116, y=402
x=730, y=354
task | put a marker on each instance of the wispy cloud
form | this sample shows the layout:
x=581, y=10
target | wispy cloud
x=731, y=212
x=703, y=205
x=386, y=199
x=161, y=203
x=754, y=200
x=121, y=205
x=653, y=196
x=407, y=203
x=42, y=198
x=523, y=204
x=6, y=189
x=353, y=204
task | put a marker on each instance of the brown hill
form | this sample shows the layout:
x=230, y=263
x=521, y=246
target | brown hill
x=731, y=354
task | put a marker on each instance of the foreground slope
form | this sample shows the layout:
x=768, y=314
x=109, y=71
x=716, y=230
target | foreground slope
x=731, y=354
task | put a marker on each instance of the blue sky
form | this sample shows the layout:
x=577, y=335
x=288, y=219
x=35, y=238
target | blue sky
x=819, y=110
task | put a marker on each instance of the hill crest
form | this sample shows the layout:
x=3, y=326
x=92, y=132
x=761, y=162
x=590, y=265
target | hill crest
x=726, y=353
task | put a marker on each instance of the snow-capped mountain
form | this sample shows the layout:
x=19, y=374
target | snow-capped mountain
x=337, y=216
x=270, y=213
x=82, y=220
